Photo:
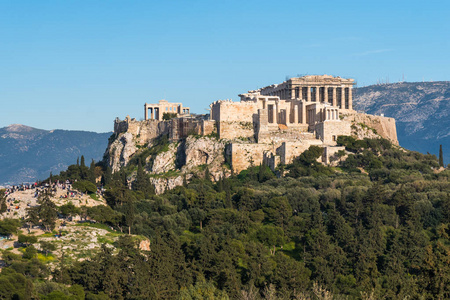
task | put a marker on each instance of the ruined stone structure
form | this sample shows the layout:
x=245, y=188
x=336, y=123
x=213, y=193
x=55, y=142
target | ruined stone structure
x=283, y=120
x=336, y=91
x=271, y=125
x=157, y=110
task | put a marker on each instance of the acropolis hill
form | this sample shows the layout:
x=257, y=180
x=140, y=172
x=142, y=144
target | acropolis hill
x=271, y=125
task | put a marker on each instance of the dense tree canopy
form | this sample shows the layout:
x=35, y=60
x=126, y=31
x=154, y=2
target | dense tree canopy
x=377, y=226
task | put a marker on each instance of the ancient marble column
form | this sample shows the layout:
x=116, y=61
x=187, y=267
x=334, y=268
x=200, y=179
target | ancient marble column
x=145, y=112
x=308, y=93
x=334, y=97
x=303, y=112
x=342, y=98
x=325, y=94
x=317, y=89
x=295, y=114
x=350, y=98
x=274, y=115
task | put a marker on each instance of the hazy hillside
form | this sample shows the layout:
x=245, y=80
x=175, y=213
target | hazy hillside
x=421, y=110
x=27, y=153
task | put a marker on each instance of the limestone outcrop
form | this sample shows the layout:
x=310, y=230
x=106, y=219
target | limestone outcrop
x=181, y=160
x=382, y=126
x=164, y=161
x=120, y=151
x=205, y=151
x=162, y=184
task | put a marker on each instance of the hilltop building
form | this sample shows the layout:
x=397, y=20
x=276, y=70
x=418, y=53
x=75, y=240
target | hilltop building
x=157, y=110
x=270, y=125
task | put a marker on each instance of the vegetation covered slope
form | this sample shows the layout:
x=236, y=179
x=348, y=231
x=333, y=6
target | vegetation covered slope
x=28, y=154
x=375, y=227
x=421, y=111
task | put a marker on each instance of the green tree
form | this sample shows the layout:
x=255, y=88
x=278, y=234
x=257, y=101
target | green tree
x=167, y=116
x=107, y=176
x=278, y=211
x=3, y=206
x=30, y=252
x=202, y=290
x=27, y=239
x=47, y=211
x=9, y=226
x=47, y=247
x=69, y=210
x=441, y=156
x=85, y=186
x=142, y=182
x=92, y=177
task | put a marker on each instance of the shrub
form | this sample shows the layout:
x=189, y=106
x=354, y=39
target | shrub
x=85, y=186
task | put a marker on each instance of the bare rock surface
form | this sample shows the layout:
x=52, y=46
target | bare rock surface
x=120, y=151
x=165, y=161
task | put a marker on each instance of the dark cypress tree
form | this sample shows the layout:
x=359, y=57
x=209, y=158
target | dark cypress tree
x=207, y=174
x=441, y=156
x=142, y=182
x=227, y=189
x=3, y=206
x=185, y=183
x=261, y=172
x=92, y=172
x=220, y=184
x=78, y=161
x=47, y=211
x=82, y=163
x=107, y=175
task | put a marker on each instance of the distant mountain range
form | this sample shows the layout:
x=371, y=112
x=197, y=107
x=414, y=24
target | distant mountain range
x=421, y=111
x=28, y=154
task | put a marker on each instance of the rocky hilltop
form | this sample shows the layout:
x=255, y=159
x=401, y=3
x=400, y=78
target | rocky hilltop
x=171, y=159
x=421, y=110
x=28, y=153
x=169, y=163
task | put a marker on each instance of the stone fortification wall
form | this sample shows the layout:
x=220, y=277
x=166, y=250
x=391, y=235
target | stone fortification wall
x=384, y=126
x=142, y=131
x=278, y=135
x=290, y=150
x=183, y=127
x=148, y=130
x=208, y=127
x=329, y=154
x=328, y=131
x=242, y=156
x=236, y=130
x=228, y=111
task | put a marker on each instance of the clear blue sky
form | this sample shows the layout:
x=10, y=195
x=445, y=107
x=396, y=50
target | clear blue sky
x=79, y=64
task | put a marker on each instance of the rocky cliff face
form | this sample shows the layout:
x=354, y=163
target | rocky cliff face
x=182, y=160
x=421, y=111
x=205, y=152
x=174, y=163
x=120, y=151
x=371, y=126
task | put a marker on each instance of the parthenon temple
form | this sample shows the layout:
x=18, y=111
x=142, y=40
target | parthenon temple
x=309, y=103
x=336, y=91
x=157, y=110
